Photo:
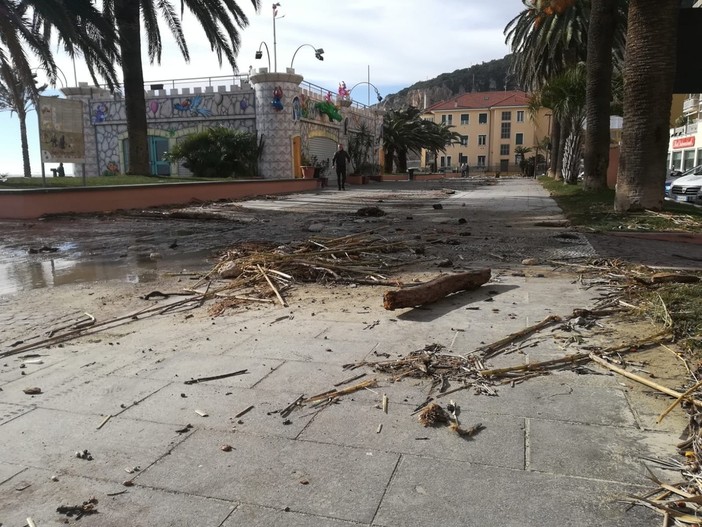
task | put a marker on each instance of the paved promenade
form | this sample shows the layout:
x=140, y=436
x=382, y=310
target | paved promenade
x=556, y=451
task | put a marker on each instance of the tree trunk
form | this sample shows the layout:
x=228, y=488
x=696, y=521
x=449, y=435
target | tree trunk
x=128, y=19
x=564, y=132
x=600, y=39
x=436, y=289
x=25, y=145
x=648, y=87
x=389, y=157
x=402, y=161
x=554, y=152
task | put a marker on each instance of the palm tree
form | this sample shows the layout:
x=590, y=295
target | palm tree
x=219, y=20
x=18, y=97
x=551, y=36
x=605, y=34
x=565, y=96
x=82, y=31
x=405, y=131
x=648, y=88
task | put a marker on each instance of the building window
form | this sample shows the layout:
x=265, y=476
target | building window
x=465, y=119
x=482, y=139
x=504, y=165
x=505, y=130
x=481, y=161
x=506, y=116
x=519, y=139
x=482, y=118
x=520, y=116
x=462, y=158
x=447, y=119
x=688, y=159
x=464, y=140
x=504, y=150
x=442, y=161
x=677, y=160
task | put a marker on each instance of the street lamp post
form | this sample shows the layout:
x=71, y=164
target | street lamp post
x=275, y=54
x=318, y=53
x=377, y=92
x=259, y=54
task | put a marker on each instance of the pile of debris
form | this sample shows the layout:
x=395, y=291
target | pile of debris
x=261, y=272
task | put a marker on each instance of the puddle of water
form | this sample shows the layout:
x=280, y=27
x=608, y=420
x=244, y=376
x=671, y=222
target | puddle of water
x=53, y=253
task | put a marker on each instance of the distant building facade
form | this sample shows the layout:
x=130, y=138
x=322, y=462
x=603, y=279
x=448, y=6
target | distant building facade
x=492, y=125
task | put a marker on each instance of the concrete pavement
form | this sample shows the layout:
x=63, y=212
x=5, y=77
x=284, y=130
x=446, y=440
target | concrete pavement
x=556, y=450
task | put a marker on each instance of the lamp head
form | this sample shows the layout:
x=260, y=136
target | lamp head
x=318, y=54
x=259, y=54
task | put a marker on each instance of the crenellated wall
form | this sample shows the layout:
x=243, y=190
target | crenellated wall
x=273, y=105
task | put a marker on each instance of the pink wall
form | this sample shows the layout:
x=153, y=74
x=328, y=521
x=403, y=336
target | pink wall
x=28, y=204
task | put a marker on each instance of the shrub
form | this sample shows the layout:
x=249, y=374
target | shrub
x=219, y=153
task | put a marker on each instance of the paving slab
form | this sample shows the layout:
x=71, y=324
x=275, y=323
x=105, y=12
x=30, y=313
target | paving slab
x=33, y=440
x=136, y=507
x=430, y=492
x=83, y=393
x=253, y=516
x=8, y=471
x=591, y=451
x=8, y=412
x=184, y=366
x=562, y=396
x=342, y=483
x=355, y=424
x=222, y=404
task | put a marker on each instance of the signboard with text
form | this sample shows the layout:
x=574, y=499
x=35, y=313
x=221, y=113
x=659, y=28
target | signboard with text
x=684, y=142
x=61, y=130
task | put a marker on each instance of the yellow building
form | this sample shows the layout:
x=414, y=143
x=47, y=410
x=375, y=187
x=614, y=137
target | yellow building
x=492, y=126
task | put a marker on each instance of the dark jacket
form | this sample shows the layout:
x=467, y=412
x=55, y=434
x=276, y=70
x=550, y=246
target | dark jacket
x=339, y=159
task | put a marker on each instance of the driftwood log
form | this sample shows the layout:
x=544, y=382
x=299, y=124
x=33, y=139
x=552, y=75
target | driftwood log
x=436, y=289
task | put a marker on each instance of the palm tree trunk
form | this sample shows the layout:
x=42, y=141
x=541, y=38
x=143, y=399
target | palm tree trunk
x=554, y=153
x=648, y=88
x=599, y=92
x=25, y=145
x=389, y=158
x=564, y=132
x=127, y=15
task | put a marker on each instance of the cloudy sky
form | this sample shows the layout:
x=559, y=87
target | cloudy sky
x=395, y=42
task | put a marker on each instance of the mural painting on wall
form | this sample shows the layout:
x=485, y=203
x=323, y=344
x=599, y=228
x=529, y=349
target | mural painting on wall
x=100, y=113
x=296, y=109
x=277, y=101
x=112, y=169
x=192, y=106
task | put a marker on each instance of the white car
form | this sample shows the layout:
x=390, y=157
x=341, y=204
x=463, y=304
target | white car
x=687, y=187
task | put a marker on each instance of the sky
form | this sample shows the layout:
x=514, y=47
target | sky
x=391, y=44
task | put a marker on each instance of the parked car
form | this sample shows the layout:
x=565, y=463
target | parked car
x=687, y=187
x=672, y=176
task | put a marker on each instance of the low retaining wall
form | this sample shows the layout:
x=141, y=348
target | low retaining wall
x=34, y=203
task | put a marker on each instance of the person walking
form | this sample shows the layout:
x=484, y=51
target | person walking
x=339, y=161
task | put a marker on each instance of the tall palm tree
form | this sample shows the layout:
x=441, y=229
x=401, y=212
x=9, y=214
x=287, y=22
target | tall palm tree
x=648, y=88
x=28, y=25
x=18, y=97
x=607, y=18
x=550, y=36
x=220, y=20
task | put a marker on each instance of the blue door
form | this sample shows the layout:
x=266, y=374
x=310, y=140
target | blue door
x=158, y=146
